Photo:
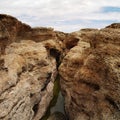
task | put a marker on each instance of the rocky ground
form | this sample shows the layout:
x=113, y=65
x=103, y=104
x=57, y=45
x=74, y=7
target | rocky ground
x=88, y=62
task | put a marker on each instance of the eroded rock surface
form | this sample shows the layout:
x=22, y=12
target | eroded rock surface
x=89, y=69
x=12, y=30
x=90, y=76
x=27, y=74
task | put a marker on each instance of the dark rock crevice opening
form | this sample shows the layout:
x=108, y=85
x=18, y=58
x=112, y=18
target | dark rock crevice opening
x=35, y=108
x=112, y=102
x=56, y=54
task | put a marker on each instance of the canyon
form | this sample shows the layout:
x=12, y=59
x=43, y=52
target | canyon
x=87, y=63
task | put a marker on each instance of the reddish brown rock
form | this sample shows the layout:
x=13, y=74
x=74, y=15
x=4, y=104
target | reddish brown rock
x=11, y=30
x=114, y=26
x=90, y=76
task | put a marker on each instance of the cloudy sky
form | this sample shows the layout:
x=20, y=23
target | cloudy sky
x=63, y=15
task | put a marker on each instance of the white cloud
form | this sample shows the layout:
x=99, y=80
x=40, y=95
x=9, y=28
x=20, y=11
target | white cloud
x=54, y=12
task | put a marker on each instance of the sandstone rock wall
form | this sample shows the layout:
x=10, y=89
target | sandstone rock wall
x=90, y=76
x=27, y=75
x=28, y=69
x=11, y=30
x=88, y=62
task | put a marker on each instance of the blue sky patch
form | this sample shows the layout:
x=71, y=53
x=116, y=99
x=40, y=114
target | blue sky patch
x=110, y=9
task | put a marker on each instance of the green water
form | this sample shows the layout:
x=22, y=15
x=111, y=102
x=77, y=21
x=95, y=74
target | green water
x=57, y=103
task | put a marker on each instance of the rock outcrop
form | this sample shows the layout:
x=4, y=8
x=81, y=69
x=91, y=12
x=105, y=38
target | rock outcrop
x=11, y=30
x=28, y=69
x=114, y=25
x=27, y=74
x=88, y=62
x=90, y=76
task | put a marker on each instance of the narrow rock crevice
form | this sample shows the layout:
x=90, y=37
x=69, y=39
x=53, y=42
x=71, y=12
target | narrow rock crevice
x=35, y=108
x=112, y=102
x=48, y=78
x=56, y=54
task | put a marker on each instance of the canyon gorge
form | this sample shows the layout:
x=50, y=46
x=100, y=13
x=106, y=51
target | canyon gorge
x=86, y=64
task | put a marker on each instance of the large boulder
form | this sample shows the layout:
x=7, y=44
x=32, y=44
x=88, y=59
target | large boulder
x=90, y=76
